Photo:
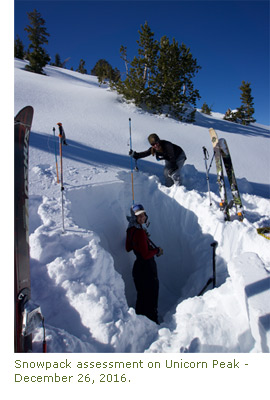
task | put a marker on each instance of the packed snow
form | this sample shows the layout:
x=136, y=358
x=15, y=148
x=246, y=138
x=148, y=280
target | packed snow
x=81, y=276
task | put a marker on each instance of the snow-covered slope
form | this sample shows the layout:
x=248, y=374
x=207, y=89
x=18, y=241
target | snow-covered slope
x=82, y=278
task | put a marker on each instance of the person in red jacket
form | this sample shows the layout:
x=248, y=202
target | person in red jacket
x=144, y=269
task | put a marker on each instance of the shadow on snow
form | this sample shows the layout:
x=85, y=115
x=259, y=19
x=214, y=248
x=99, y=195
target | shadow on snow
x=251, y=130
x=85, y=154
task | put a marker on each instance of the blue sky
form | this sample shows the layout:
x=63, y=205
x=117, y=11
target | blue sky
x=229, y=39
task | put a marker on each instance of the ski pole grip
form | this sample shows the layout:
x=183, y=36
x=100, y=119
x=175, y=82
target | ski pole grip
x=214, y=244
x=205, y=152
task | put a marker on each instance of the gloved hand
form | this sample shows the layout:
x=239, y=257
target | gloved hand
x=153, y=151
x=160, y=252
x=133, y=154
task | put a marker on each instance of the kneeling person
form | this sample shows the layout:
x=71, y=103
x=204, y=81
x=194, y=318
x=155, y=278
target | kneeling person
x=173, y=155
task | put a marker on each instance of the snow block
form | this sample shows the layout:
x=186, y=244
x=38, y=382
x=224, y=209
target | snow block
x=252, y=279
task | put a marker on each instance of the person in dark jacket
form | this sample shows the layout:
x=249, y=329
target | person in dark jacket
x=173, y=155
x=144, y=269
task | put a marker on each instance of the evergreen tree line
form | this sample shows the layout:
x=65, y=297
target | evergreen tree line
x=38, y=58
x=159, y=77
x=37, y=34
x=243, y=114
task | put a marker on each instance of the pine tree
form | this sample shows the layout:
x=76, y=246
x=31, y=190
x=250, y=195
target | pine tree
x=176, y=68
x=37, y=35
x=206, y=109
x=81, y=67
x=123, y=52
x=136, y=85
x=165, y=82
x=18, y=48
x=148, y=48
x=230, y=116
x=104, y=71
x=57, y=61
x=246, y=110
x=160, y=76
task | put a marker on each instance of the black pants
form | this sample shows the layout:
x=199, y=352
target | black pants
x=147, y=286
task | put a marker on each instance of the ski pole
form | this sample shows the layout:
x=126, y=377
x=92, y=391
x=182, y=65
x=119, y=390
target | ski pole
x=61, y=176
x=131, y=163
x=44, y=337
x=206, y=157
x=55, y=156
x=214, y=245
x=210, y=280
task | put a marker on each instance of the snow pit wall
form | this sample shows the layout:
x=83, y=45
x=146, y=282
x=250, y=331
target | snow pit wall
x=186, y=264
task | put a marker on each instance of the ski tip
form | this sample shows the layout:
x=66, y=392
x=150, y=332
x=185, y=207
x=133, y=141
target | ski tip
x=265, y=232
x=29, y=111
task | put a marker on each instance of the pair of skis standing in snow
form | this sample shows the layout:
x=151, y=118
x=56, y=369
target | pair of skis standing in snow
x=221, y=153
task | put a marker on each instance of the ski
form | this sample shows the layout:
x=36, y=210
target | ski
x=221, y=151
x=265, y=232
x=62, y=140
x=220, y=175
x=22, y=288
x=237, y=202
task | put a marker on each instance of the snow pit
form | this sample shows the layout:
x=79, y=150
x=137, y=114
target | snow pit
x=186, y=264
x=74, y=275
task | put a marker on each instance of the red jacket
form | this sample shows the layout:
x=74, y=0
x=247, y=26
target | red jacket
x=137, y=240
